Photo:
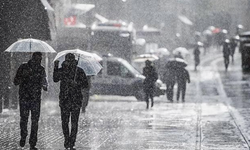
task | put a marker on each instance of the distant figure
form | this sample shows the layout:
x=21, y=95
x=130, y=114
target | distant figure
x=169, y=79
x=226, y=53
x=196, y=57
x=149, y=82
x=31, y=78
x=72, y=81
x=86, y=95
x=182, y=78
x=233, y=45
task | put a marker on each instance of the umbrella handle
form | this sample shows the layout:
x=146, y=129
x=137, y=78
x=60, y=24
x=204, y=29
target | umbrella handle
x=76, y=67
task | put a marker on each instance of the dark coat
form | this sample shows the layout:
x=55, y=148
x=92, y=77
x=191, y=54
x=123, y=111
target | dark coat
x=169, y=74
x=182, y=76
x=226, y=50
x=151, y=76
x=72, y=81
x=197, y=56
x=30, y=78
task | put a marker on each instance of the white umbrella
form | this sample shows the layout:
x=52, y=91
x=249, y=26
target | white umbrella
x=144, y=57
x=30, y=45
x=89, y=62
x=181, y=50
x=162, y=52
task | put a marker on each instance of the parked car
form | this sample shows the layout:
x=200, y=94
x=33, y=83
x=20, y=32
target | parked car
x=118, y=77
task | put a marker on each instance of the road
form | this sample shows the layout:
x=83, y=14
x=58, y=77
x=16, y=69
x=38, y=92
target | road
x=214, y=116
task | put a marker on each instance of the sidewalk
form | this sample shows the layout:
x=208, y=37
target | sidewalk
x=204, y=121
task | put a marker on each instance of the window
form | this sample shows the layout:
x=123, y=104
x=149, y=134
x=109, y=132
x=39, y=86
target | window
x=113, y=68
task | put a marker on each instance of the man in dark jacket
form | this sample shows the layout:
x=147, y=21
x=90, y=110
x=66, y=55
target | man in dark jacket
x=31, y=78
x=72, y=81
x=149, y=83
x=226, y=52
x=182, y=78
x=169, y=79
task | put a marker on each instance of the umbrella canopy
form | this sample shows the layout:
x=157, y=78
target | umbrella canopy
x=144, y=57
x=29, y=46
x=177, y=62
x=181, y=50
x=162, y=52
x=89, y=62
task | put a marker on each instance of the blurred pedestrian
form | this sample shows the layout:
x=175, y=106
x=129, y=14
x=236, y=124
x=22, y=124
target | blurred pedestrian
x=182, y=78
x=169, y=79
x=149, y=82
x=86, y=95
x=226, y=53
x=196, y=57
x=72, y=80
x=233, y=45
x=31, y=78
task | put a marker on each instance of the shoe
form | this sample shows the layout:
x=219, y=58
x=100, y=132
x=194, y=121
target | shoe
x=152, y=104
x=66, y=144
x=72, y=148
x=33, y=148
x=22, y=142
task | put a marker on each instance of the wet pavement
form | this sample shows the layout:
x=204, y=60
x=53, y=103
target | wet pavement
x=214, y=116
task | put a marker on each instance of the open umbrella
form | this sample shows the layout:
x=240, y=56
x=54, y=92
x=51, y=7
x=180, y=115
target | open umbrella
x=30, y=45
x=162, y=52
x=89, y=62
x=181, y=50
x=144, y=57
x=177, y=62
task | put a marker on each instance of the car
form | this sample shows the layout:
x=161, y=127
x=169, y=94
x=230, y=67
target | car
x=119, y=77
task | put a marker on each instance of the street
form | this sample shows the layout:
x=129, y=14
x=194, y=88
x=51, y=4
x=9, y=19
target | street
x=214, y=116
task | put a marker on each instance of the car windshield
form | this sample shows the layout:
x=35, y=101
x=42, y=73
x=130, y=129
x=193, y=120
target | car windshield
x=130, y=67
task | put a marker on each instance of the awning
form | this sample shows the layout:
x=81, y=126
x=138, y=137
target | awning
x=185, y=20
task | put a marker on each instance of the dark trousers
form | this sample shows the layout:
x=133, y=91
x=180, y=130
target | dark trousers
x=170, y=90
x=25, y=108
x=149, y=94
x=181, y=89
x=66, y=113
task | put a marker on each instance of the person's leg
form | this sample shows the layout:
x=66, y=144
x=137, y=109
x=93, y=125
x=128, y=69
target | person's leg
x=74, y=126
x=183, y=92
x=65, y=114
x=171, y=92
x=178, y=91
x=151, y=95
x=167, y=91
x=147, y=98
x=35, y=114
x=24, y=116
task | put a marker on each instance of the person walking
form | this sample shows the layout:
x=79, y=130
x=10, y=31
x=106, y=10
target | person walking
x=149, y=82
x=169, y=79
x=182, y=78
x=31, y=78
x=72, y=80
x=226, y=53
x=233, y=45
x=196, y=57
